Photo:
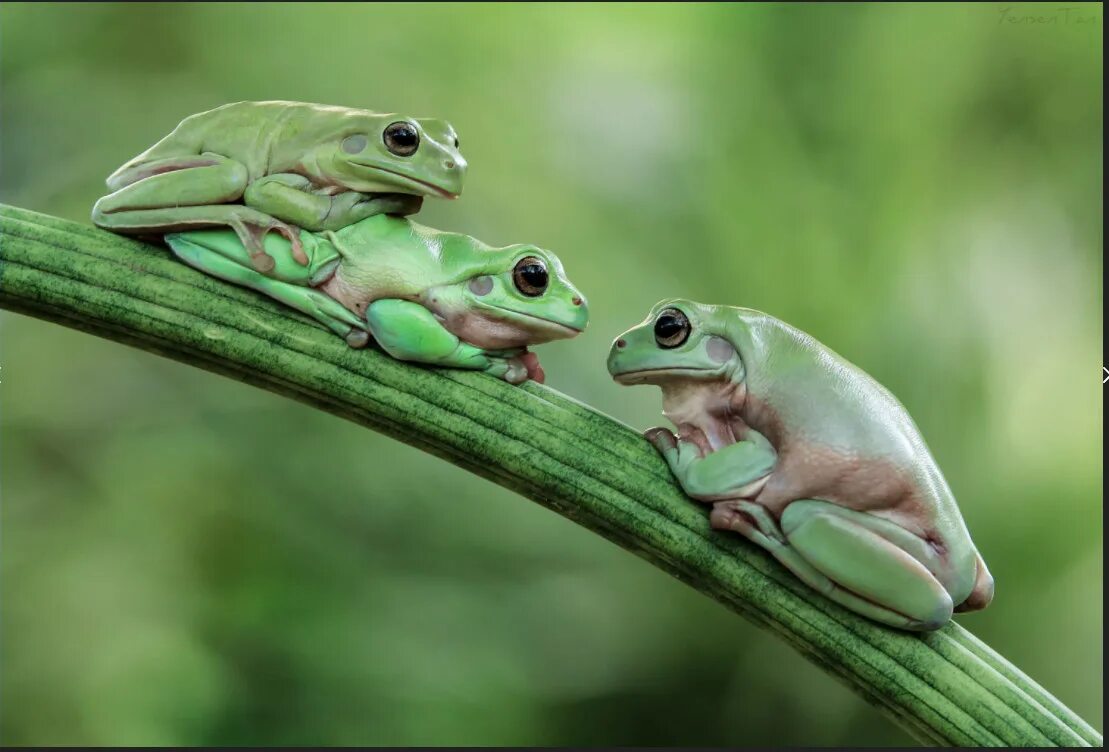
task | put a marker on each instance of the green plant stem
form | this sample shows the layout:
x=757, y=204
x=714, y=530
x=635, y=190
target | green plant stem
x=944, y=687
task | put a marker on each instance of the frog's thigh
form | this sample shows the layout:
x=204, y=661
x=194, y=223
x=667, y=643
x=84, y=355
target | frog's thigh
x=319, y=306
x=408, y=331
x=860, y=560
x=153, y=202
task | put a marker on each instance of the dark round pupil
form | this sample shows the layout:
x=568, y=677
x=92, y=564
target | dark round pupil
x=668, y=326
x=534, y=275
x=403, y=135
x=402, y=139
x=671, y=328
x=531, y=277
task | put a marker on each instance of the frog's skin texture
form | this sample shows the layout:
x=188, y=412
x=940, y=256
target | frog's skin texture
x=807, y=456
x=284, y=166
x=426, y=296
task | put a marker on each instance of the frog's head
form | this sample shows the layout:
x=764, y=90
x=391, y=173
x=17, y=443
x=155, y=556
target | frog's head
x=374, y=153
x=504, y=298
x=680, y=341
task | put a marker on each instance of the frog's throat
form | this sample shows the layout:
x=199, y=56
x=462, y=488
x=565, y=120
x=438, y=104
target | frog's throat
x=711, y=407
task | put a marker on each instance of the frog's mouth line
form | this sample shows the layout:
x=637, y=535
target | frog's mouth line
x=548, y=322
x=441, y=192
x=645, y=373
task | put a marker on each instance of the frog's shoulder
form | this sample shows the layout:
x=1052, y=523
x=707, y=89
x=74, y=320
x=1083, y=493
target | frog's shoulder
x=759, y=336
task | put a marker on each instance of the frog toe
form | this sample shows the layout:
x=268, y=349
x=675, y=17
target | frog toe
x=357, y=338
x=661, y=438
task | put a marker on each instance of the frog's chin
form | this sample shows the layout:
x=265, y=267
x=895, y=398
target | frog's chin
x=535, y=329
x=661, y=376
x=507, y=329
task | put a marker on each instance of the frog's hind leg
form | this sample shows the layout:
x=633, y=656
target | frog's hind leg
x=188, y=193
x=869, y=564
x=170, y=183
x=314, y=303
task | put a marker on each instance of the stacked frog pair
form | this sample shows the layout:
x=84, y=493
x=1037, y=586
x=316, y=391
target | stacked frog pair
x=312, y=201
x=796, y=449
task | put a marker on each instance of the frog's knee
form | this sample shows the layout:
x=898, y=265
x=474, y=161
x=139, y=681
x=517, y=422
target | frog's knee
x=106, y=213
x=228, y=179
x=100, y=217
x=799, y=513
x=935, y=617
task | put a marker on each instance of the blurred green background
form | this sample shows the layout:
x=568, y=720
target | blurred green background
x=188, y=560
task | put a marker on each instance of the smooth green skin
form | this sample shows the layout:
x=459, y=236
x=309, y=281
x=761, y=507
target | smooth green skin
x=290, y=164
x=424, y=295
x=810, y=458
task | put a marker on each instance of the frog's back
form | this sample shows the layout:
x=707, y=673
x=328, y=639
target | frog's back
x=387, y=256
x=814, y=390
x=246, y=131
x=840, y=433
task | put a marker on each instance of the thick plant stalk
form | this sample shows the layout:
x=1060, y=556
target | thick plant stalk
x=945, y=687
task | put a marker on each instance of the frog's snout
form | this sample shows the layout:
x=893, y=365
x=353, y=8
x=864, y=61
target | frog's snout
x=577, y=315
x=615, y=361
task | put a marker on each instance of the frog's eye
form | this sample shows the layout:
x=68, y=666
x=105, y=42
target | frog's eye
x=401, y=138
x=530, y=276
x=354, y=144
x=671, y=328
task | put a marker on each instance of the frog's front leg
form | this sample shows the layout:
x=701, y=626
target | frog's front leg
x=736, y=470
x=319, y=306
x=292, y=198
x=186, y=193
x=408, y=331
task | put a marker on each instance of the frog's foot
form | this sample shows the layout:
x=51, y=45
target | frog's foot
x=357, y=338
x=735, y=513
x=253, y=236
x=663, y=439
x=513, y=370
x=750, y=520
x=535, y=371
x=507, y=364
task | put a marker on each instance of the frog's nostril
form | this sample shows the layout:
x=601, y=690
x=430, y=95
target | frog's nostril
x=576, y=300
x=621, y=344
x=449, y=164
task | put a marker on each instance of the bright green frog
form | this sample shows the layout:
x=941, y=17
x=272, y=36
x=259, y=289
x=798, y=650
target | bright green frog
x=261, y=166
x=807, y=456
x=428, y=296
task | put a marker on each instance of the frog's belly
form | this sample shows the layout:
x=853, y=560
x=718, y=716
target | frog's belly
x=865, y=484
x=357, y=292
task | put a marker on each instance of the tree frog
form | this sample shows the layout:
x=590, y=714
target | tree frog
x=807, y=456
x=261, y=166
x=424, y=295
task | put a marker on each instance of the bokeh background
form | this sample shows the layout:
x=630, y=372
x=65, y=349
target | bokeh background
x=188, y=560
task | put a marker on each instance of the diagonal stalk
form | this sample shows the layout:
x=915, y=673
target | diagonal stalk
x=945, y=687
